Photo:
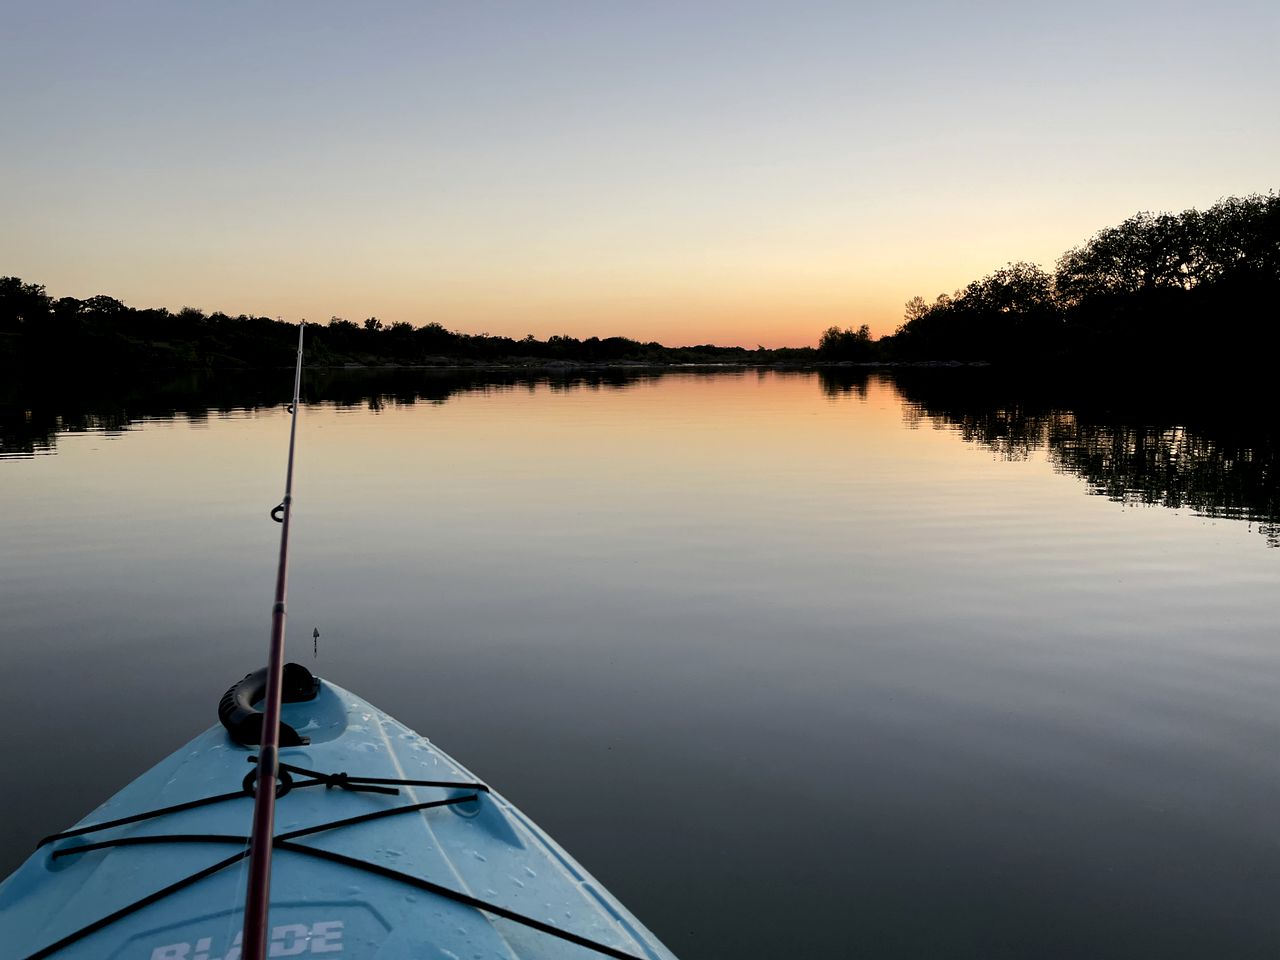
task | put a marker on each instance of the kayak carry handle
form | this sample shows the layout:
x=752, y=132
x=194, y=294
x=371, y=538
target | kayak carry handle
x=244, y=721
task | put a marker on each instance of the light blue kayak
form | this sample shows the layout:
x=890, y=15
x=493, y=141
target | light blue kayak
x=439, y=869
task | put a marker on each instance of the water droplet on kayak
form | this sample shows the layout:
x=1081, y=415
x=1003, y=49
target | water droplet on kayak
x=529, y=871
x=479, y=856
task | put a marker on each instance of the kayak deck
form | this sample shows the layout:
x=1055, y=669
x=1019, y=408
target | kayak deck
x=447, y=870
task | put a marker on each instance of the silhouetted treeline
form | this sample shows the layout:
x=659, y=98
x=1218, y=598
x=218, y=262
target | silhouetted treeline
x=101, y=333
x=1198, y=287
x=1158, y=292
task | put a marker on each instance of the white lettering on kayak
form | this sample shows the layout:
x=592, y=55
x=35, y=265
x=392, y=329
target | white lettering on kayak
x=287, y=940
x=326, y=937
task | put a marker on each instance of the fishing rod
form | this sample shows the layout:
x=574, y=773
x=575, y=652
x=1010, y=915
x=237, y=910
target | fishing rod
x=258, y=897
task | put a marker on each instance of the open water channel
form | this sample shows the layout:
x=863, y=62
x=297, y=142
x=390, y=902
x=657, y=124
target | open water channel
x=798, y=664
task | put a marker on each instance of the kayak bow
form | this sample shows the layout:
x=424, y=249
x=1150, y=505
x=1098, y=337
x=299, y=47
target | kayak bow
x=385, y=847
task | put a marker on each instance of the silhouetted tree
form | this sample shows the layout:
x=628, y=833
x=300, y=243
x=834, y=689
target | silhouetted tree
x=1146, y=252
x=837, y=345
x=21, y=304
x=1010, y=312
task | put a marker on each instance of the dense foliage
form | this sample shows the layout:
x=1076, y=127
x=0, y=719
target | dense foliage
x=101, y=333
x=1159, y=288
x=836, y=345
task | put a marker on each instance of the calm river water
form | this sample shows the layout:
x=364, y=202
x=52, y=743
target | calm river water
x=798, y=665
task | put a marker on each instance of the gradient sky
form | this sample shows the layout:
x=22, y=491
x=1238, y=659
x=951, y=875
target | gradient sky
x=687, y=172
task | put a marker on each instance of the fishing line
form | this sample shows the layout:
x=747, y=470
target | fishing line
x=232, y=928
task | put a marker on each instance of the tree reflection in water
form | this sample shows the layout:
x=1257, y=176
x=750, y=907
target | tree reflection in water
x=1186, y=447
x=1189, y=447
x=32, y=415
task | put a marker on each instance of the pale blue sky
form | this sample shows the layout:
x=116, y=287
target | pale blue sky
x=737, y=172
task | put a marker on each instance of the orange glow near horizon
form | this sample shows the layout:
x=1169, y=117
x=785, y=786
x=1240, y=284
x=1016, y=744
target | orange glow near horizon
x=782, y=294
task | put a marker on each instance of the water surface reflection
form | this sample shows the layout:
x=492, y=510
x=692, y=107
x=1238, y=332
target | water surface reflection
x=1212, y=456
x=797, y=665
x=31, y=416
x=1202, y=450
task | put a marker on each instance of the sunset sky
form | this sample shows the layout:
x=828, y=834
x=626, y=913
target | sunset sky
x=689, y=172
